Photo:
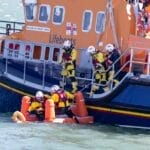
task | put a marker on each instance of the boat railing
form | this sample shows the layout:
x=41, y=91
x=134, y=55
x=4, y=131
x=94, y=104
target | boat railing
x=54, y=72
x=8, y=27
x=127, y=68
x=45, y=68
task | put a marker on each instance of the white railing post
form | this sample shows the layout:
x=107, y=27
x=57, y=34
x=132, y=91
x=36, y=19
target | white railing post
x=131, y=60
x=24, y=71
x=111, y=81
x=43, y=79
x=92, y=81
x=6, y=65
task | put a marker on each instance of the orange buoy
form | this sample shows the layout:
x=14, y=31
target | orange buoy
x=49, y=110
x=26, y=100
x=25, y=105
x=18, y=117
x=81, y=107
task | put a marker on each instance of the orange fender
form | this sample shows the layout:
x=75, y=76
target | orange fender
x=25, y=105
x=49, y=110
x=18, y=117
x=81, y=107
x=26, y=100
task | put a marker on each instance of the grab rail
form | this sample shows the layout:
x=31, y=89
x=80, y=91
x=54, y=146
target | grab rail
x=87, y=81
x=7, y=27
x=130, y=51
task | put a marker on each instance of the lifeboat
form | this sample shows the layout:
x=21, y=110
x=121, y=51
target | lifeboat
x=30, y=59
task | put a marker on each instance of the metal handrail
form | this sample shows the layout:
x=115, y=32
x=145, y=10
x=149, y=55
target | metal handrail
x=130, y=62
x=8, y=26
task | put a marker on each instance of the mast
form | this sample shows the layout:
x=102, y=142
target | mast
x=112, y=22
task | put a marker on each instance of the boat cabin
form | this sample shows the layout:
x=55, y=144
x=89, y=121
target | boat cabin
x=49, y=23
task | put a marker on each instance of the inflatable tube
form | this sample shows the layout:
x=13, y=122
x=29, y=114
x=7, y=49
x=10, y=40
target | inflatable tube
x=81, y=107
x=18, y=117
x=25, y=105
x=49, y=110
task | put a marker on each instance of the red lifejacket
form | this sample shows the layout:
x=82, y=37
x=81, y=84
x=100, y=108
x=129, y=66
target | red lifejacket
x=66, y=56
x=62, y=95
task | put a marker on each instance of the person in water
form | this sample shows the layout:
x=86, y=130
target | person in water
x=62, y=99
x=37, y=105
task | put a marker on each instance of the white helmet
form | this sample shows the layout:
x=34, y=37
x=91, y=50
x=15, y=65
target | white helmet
x=91, y=49
x=67, y=44
x=54, y=88
x=109, y=47
x=39, y=95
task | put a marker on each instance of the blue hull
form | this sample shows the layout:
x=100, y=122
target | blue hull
x=121, y=107
x=119, y=119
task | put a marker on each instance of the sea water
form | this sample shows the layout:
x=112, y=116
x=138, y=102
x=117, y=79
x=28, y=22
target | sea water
x=46, y=136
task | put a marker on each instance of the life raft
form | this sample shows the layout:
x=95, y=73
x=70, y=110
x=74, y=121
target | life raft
x=18, y=117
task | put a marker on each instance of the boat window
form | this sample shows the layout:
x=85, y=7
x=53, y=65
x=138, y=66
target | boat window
x=47, y=51
x=11, y=46
x=30, y=10
x=16, y=52
x=44, y=14
x=56, y=54
x=58, y=15
x=17, y=46
x=37, y=52
x=27, y=52
x=10, y=50
x=87, y=21
x=2, y=47
x=100, y=22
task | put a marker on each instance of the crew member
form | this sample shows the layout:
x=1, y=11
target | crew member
x=37, y=105
x=112, y=59
x=61, y=98
x=69, y=64
x=98, y=67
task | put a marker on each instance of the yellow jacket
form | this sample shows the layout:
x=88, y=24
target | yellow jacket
x=74, y=54
x=60, y=103
x=34, y=105
x=69, y=56
x=99, y=57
